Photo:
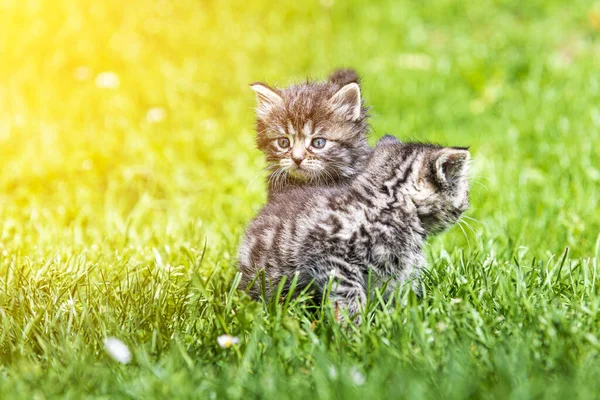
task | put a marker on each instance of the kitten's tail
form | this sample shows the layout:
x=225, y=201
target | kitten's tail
x=344, y=76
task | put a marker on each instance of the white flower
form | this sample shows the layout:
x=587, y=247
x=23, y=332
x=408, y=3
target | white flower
x=455, y=301
x=107, y=80
x=117, y=350
x=357, y=377
x=226, y=341
x=156, y=114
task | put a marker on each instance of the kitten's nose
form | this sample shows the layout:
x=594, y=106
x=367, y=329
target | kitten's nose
x=298, y=160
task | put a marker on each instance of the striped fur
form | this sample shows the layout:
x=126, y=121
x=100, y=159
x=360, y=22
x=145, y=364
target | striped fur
x=331, y=110
x=380, y=220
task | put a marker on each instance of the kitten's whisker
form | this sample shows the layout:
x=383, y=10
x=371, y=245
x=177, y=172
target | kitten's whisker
x=464, y=233
x=265, y=169
x=271, y=177
x=479, y=183
x=468, y=226
x=279, y=182
x=337, y=172
x=330, y=177
x=278, y=179
x=473, y=220
x=274, y=178
x=335, y=169
x=283, y=179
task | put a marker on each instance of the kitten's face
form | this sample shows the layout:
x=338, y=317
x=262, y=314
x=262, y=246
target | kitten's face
x=435, y=179
x=313, y=132
x=444, y=188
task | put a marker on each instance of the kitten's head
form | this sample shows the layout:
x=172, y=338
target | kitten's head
x=314, y=132
x=433, y=177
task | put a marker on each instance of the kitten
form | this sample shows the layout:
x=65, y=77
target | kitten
x=312, y=133
x=380, y=220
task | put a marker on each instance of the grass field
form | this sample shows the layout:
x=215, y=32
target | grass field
x=128, y=172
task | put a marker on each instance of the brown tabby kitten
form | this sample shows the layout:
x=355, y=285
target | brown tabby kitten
x=379, y=220
x=313, y=133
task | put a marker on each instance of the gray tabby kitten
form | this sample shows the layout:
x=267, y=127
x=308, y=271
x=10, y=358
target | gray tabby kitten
x=312, y=133
x=380, y=220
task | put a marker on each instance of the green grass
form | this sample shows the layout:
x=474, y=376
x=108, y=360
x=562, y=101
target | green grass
x=114, y=225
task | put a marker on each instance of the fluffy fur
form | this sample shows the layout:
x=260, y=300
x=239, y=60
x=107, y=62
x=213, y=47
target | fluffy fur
x=380, y=220
x=312, y=133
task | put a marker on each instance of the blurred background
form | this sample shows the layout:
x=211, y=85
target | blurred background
x=131, y=123
x=128, y=172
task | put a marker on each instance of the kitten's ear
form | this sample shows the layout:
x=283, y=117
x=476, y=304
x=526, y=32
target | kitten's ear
x=451, y=165
x=344, y=76
x=266, y=97
x=347, y=101
x=387, y=140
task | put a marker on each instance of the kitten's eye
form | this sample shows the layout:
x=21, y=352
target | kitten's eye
x=318, y=143
x=284, y=143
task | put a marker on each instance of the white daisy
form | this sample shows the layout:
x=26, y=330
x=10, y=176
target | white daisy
x=117, y=350
x=226, y=341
